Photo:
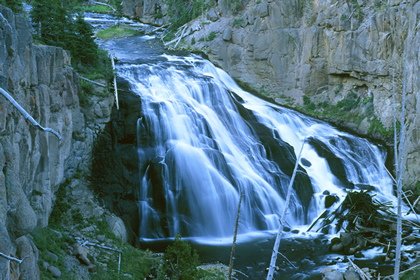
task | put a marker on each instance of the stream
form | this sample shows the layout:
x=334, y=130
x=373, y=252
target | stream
x=203, y=142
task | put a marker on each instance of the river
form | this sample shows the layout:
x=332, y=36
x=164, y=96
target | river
x=203, y=142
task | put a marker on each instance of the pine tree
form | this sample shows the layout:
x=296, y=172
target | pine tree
x=15, y=5
x=85, y=50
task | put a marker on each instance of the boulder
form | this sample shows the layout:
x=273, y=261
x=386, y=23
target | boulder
x=117, y=226
x=27, y=251
x=351, y=274
x=332, y=275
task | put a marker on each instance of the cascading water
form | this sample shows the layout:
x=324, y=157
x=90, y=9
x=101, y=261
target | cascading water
x=203, y=142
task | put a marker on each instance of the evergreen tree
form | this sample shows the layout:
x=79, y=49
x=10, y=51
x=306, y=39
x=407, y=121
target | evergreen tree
x=15, y=5
x=85, y=50
x=55, y=26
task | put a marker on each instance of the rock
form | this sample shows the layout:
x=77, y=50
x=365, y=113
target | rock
x=116, y=225
x=212, y=14
x=227, y=34
x=336, y=247
x=332, y=275
x=81, y=254
x=351, y=274
x=56, y=273
x=330, y=200
x=346, y=238
x=100, y=238
x=52, y=256
x=27, y=250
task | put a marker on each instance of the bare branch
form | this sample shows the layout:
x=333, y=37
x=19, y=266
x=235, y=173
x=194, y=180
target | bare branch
x=27, y=116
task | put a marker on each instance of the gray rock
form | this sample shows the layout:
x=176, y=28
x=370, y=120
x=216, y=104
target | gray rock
x=212, y=14
x=27, y=250
x=117, y=226
x=350, y=274
x=333, y=275
x=227, y=34
x=56, y=273
x=100, y=238
x=52, y=256
x=81, y=254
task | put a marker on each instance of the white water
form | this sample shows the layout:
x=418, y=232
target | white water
x=198, y=154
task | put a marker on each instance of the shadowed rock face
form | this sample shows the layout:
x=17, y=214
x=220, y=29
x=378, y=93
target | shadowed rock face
x=322, y=50
x=33, y=163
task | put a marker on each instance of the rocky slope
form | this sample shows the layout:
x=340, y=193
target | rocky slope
x=34, y=163
x=335, y=59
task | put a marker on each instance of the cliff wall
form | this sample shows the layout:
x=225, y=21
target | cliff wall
x=334, y=59
x=34, y=163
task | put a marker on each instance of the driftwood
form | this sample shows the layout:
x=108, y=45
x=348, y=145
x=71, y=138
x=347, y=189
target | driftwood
x=106, y=248
x=12, y=258
x=93, y=82
x=360, y=272
x=27, y=116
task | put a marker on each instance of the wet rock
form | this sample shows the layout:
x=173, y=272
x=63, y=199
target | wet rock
x=332, y=275
x=351, y=274
x=330, y=200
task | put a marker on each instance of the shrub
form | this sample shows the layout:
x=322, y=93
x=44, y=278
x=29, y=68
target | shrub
x=180, y=261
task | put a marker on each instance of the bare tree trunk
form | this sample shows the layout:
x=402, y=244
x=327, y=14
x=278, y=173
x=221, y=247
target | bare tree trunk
x=270, y=274
x=232, y=254
x=115, y=82
x=399, y=148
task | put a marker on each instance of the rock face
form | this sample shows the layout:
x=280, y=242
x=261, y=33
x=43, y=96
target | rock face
x=335, y=59
x=148, y=11
x=34, y=163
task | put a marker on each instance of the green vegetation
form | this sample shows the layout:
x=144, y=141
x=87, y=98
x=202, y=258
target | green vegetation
x=116, y=32
x=180, y=262
x=209, y=37
x=181, y=11
x=15, y=5
x=238, y=22
x=100, y=9
x=234, y=5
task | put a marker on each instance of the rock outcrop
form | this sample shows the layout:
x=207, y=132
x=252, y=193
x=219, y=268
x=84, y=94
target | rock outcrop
x=335, y=59
x=33, y=163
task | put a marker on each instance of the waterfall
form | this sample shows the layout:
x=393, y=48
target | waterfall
x=203, y=141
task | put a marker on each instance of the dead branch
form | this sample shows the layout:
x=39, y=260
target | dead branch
x=27, y=116
x=93, y=82
x=12, y=258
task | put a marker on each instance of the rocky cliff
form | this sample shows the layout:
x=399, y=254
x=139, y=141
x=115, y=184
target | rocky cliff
x=34, y=163
x=339, y=60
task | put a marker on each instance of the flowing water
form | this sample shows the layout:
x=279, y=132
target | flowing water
x=203, y=142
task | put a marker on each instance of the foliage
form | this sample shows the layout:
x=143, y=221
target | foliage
x=180, y=262
x=234, y=5
x=99, y=9
x=15, y=5
x=116, y=31
x=238, y=22
x=55, y=25
x=377, y=126
x=209, y=37
x=181, y=11
x=60, y=206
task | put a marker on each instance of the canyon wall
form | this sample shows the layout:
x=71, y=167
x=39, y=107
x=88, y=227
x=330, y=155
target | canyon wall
x=34, y=163
x=337, y=60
